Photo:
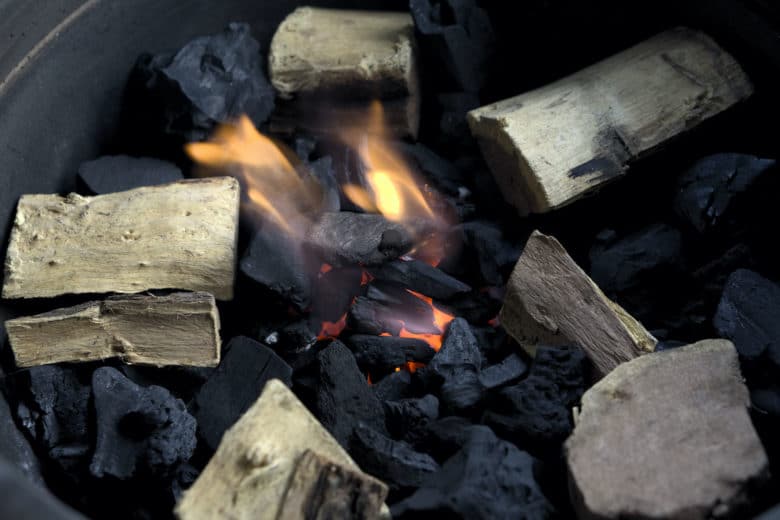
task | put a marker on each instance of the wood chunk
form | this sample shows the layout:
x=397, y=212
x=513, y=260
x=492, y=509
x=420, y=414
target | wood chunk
x=321, y=489
x=350, y=56
x=551, y=301
x=175, y=236
x=249, y=474
x=178, y=329
x=551, y=146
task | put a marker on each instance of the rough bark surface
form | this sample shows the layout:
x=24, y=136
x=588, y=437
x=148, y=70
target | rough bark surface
x=551, y=146
x=178, y=329
x=174, y=236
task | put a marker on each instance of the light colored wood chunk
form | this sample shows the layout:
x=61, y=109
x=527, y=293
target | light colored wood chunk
x=551, y=301
x=248, y=476
x=177, y=329
x=347, y=56
x=551, y=146
x=174, y=236
x=321, y=489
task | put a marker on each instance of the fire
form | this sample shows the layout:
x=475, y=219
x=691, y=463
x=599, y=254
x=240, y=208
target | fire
x=441, y=320
x=275, y=189
x=332, y=329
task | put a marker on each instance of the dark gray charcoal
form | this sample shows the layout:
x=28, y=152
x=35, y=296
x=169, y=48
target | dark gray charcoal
x=369, y=317
x=457, y=365
x=510, y=369
x=456, y=41
x=440, y=172
x=346, y=238
x=385, y=353
x=333, y=292
x=454, y=130
x=485, y=247
x=488, y=478
x=293, y=338
x=395, y=463
x=639, y=269
x=212, y=79
x=304, y=146
x=397, y=385
x=56, y=413
x=238, y=381
x=398, y=303
x=278, y=264
x=140, y=430
x=24, y=500
x=121, y=172
x=536, y=412
x=422, y=278
x=707, y=190
x=322, y=169
x=408, y=419
x=14, y=448
x=444, y=437
x=748, y=315
x=344, y=398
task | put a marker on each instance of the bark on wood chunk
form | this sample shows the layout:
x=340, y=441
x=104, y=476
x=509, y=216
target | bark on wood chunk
x=175, y=236
x=551, y=146
x=321, y=489
x=178, y=329
x=249, y=474
x=667, y=435
x=348, y=55
x=551, y=301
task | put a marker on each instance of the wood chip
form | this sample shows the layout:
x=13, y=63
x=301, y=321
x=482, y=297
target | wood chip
x=174, y=236
x=178, y=329
x=551, y=301
x=549, y=147
x=248, y=476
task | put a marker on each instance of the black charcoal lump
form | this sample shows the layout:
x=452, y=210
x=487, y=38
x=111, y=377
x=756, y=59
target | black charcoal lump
x=749, y=315
x=457, y=366
x=408, y=419
x=211, y=80
x=422, y=278
x=23, y=500
x=238, y=381
x=707, y=190
x=488, y=478
x=140, y=430
x=385, y=353
x=14, y=448
x=121, y=172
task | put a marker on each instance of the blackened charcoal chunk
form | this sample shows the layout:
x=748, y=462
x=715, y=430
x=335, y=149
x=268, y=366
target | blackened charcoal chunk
x=23, y=500
x=422, y=278
x=293, y=338
x=322, y=169
x=369, y=317
x=748, y=315
x=278, y=264
x=537, y=411
x=304, y=146
x=395, y=463
x=385, y=353
x=637, y=270
x=14, y=448
x=398, y=303
x=488, y=478
x=333, y=293
x=56, y=414
x=709, y=188
x=121, y=172
x=457, y=365
x=440, y=172
x=397, y=385
x=511, y=368
x=484, y=246
x=453, y=125
x=444, y=437
x=344, y=398
x=408, y=419
x=139, y=430
x=456, y=40
x=236, y=384
x=210, y=80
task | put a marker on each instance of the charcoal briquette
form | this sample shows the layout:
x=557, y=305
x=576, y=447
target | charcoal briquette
x=397, y=385
x=422, y=278
x=121, y=172
x=385, y=353
x=407, y=419
x=509, y=369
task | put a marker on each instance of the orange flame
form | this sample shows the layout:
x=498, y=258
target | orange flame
x=332, y=329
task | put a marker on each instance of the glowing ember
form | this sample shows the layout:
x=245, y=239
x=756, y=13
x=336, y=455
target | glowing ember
x=331, y=330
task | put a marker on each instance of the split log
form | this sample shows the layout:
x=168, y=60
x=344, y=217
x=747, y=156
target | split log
x=178, y=329
x=551, y=301
x=347, y=56
x=175, y=236
x=321, y=489
x=249, y=475
x=551, y=146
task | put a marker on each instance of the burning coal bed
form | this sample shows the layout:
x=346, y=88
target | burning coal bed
x=398, y=341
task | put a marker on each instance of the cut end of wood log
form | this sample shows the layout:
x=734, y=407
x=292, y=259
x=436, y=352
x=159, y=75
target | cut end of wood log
x=357, y=56
x=553, y=145
x=259, y=459
x=551, y=301
x=179, y=329
x=174, y=236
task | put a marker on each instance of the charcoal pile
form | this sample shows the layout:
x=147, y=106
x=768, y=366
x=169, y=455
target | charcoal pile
x=362, y=271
